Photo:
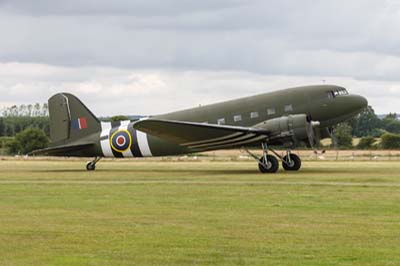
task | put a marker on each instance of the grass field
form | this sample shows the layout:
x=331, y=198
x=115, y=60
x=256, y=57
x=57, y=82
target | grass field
x=198, y=213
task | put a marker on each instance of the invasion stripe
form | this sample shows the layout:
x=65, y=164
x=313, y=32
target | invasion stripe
x=115, y=124
x=212, y=140
x=143, y=144
x=224, y=141
x=104, y=139
x=135, y=145
x=253, y=139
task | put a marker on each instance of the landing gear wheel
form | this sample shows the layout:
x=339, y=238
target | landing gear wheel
x=271, y=166
x=90, y=166
x=293, y=165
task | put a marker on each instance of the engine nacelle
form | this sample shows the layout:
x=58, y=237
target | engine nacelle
x=290, y=129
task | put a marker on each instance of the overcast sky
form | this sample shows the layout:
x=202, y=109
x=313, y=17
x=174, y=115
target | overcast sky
x=149, y=57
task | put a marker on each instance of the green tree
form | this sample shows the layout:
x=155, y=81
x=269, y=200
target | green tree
x=2, y=127
x=13, y=125
x=343, y=135
x=391, y=124
x=28, y=140
x=366, y=124
x=391, y=116
x=390, y=141
x=366, y=143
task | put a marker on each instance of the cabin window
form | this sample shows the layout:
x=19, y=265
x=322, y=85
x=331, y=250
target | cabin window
x=271, y=111
x=221, y=121
x=237, y=118
x=288, y=108
x=253, y=115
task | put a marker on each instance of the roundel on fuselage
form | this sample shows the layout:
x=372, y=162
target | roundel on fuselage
x=121, y=141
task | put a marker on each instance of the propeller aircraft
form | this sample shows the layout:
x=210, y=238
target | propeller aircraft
x=281, y=118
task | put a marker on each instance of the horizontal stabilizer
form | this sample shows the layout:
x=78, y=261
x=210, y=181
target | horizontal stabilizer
x=200, y=135
x=64, y=149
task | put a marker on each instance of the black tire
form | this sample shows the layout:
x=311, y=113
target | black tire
x=90, y=166
x=272, y=164
x=295, y=163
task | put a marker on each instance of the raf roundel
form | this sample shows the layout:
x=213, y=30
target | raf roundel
x=121, y=141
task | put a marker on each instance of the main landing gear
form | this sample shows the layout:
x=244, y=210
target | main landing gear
x=269, y=163
x=91, y=166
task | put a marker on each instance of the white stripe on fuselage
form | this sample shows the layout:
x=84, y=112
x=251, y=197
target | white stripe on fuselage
x=105, y=143
x=143, y=144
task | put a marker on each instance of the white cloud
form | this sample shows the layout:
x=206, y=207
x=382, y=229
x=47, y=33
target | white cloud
x=110, y=91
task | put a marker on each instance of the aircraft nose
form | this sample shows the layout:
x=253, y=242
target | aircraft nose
x=340, y=108
x=350, y=105
x=354, y=103
x=359, y=102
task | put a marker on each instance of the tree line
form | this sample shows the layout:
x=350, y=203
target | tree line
x=15, y=119
x=369, y=128
x=30, y=110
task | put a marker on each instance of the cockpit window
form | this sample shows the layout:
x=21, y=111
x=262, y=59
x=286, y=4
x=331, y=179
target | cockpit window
x=337, y=92
x=343, y=91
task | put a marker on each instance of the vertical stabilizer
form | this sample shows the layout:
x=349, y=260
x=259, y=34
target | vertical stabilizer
x=70, y=119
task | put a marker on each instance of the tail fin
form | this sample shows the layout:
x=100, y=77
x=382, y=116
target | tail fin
x=70, y=119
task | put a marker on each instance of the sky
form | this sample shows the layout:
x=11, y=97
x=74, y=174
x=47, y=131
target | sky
x=149, y=57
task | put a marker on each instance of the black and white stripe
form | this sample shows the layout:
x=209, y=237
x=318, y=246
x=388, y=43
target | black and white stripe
x=139, y=147
x=235, y=139
x=231, y=136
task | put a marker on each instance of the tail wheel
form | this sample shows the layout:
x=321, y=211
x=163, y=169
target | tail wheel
x=293, y=164
x=90, y=166
x=269, y=166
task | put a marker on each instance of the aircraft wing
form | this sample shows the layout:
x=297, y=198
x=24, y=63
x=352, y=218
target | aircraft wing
x=200, y=136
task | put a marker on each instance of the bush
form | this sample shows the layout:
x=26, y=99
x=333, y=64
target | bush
x=27, y=141
x=390, y=141
x=366, y=143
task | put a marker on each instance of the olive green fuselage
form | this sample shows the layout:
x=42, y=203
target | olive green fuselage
x=317, y=102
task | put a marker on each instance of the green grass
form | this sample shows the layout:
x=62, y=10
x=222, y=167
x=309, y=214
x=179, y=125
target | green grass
x=200, y=213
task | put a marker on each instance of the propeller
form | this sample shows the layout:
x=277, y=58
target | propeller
x=331, y=131
x=315, y=135
x=331, y=134
x=312, y=133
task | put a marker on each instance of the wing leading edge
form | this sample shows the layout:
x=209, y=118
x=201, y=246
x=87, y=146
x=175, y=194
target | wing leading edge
x=200, y=136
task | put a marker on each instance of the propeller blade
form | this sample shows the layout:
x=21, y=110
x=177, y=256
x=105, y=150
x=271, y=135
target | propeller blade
x=333, y=137
x=312, y=133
